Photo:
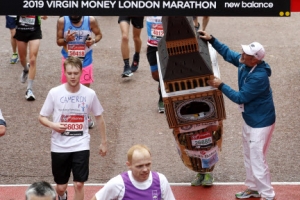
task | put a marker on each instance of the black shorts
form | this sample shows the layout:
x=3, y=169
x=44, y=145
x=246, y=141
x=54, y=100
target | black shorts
x=151, y=55
x=65, y=163
x=137, y=22
x=11, y=22
x=26, y=36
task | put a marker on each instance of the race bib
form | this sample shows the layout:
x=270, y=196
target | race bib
x=76, y=50
x=157, y=31
x=29, y=20
x=203, y=139
x=74, y=124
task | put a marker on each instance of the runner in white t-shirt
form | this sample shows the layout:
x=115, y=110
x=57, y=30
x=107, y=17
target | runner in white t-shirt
x=70, y=105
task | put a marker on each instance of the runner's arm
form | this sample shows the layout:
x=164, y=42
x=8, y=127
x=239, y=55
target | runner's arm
x=102, y=128
x=60, y=40
x=95, y=29
x=58, y=127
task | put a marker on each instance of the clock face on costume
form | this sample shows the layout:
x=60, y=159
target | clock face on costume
x=193, y=110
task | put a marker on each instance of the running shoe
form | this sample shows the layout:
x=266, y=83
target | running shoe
x=29, y=95
x=127, y=72
x=208, y=179
x=198, y=180
x=161, y=107
x=14, y=58
x=59, y=198
x=24, y=74
x=247, y=194
x=134, y=65
x=90, y=122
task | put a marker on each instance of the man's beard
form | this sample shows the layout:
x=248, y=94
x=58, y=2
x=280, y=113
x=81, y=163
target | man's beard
x=75, y=20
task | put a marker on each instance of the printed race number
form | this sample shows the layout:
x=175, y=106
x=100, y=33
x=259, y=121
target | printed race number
x=76, y=50
x=29, y=20
x=33, y=4
x=203, y=139
x=76, y=53
x=157, y=31
x=74, y=124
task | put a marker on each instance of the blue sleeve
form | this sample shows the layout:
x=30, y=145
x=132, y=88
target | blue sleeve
x=227, y=54
x=253, y=87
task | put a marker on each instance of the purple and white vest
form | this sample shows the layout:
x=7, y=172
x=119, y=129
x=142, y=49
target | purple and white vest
x=151, y=193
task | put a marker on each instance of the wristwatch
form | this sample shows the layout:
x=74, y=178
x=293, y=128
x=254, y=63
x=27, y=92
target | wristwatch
x=65, y=40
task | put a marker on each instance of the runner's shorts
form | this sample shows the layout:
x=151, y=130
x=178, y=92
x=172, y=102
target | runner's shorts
x=65, y=163
x=137, y=22
x=11, y=22
x=26, y=36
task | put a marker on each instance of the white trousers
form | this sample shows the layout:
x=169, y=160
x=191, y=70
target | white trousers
x=255, y=143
